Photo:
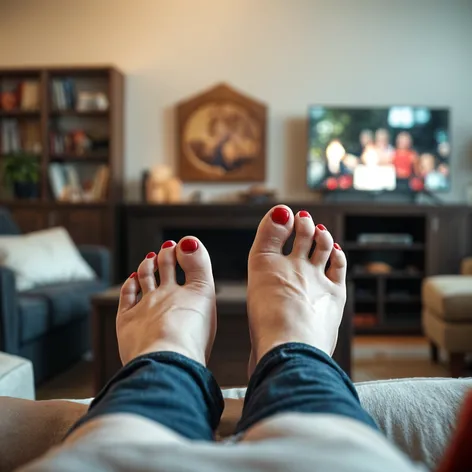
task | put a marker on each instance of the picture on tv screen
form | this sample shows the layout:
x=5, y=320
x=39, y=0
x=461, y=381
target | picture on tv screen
x=400, y=148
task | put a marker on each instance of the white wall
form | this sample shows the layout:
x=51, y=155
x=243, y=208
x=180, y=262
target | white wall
x=288, y=53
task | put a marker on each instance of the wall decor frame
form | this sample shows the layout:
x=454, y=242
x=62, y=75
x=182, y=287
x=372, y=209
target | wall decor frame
x=221, y=137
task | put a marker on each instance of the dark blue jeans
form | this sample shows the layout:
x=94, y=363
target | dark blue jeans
x=183, y=395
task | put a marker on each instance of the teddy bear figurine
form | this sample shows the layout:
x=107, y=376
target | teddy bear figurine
x=162, y=186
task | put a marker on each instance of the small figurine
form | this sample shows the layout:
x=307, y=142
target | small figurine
x=81, y=142
x=162, y=186
x=8, y=101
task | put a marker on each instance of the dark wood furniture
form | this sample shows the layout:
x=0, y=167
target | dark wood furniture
x=88, y=223
x=441, y=239
x=232, y=345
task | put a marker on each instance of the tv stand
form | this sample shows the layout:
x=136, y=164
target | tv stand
x=430, y=197
x=384, y=302
x=382, y=196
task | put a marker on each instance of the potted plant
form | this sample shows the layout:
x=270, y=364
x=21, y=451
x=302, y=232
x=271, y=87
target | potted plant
x=21, y=171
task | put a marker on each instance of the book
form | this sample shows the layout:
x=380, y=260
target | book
x=57, y=180
x=30, y=137
x=76, y=183
x=57, y=95
x=5, y=145
x=97, y=187
x=73, y=179
x=92, y=101
x=71, y=142
x=29, y=95
x=11, y=142
x=69, y=89
x=100, y=186
x=63, y=94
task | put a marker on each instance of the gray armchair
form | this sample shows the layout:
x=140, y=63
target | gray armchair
x=50, y=325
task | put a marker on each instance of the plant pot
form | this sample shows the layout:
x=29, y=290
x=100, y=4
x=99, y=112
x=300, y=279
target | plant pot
x=26, y=190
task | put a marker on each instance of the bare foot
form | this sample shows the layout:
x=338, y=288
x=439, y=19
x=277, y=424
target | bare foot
x=292, y=298
x=169, y=317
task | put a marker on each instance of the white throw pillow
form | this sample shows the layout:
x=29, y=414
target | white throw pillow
x=42, y=258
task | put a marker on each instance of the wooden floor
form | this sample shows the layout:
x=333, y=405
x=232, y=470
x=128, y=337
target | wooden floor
x=375, y=358
x=381, y=358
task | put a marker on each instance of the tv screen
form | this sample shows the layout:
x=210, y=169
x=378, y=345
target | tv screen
x=400, y=148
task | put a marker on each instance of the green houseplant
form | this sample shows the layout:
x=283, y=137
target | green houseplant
x=21, y=171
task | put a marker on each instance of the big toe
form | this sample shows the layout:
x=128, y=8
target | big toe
x=195, y=261
x=273, y=231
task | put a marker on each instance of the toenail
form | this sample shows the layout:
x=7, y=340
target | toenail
x=189, y=245
x=133, y=275
x=337, y=246
x=304, y=214
x=167, y=244
x=280, y=216
x=321, y=227
x=151, y=255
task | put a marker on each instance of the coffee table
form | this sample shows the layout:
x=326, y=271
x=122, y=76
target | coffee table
x=232, y=344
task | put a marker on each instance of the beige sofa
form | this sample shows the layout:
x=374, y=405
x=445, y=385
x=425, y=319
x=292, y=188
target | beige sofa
x=418, y=415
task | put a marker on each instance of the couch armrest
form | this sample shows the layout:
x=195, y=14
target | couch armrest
x=466, y=267
x=98, y=257
x=9, y=335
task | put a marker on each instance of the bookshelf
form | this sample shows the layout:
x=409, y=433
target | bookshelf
x=70, y=120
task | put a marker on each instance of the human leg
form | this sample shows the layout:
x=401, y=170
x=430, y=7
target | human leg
x=296, y=391
x=295, y=307
x=164, y=340
x=38, y=424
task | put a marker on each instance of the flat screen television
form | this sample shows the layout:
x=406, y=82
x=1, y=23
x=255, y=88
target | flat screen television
x=399, y=148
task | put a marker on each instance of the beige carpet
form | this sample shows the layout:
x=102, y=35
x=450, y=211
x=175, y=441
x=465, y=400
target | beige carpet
x=374, y=358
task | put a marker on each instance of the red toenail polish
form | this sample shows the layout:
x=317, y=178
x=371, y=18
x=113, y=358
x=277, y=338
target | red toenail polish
x=189, y=245
x=321, y=227
x=133, y=275
x=280, y=216
x=151, y=255
x=304, y=214
x=167, y=244
x=337, y=246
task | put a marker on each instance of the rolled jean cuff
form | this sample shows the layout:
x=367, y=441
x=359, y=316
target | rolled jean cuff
x=166, y=387
x=297, y=377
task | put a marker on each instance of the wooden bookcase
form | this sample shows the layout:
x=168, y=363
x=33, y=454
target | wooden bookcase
x=90, y=222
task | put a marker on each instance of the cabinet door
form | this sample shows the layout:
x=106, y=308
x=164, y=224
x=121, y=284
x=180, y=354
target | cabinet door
x=85, y=225
x=447, y=241
x=30, y=219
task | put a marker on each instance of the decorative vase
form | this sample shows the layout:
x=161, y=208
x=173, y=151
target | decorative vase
x=26, y=190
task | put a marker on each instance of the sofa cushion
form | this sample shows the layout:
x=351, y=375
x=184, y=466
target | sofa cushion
x=45, y=308
x=42, y=258
x=449, y=296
